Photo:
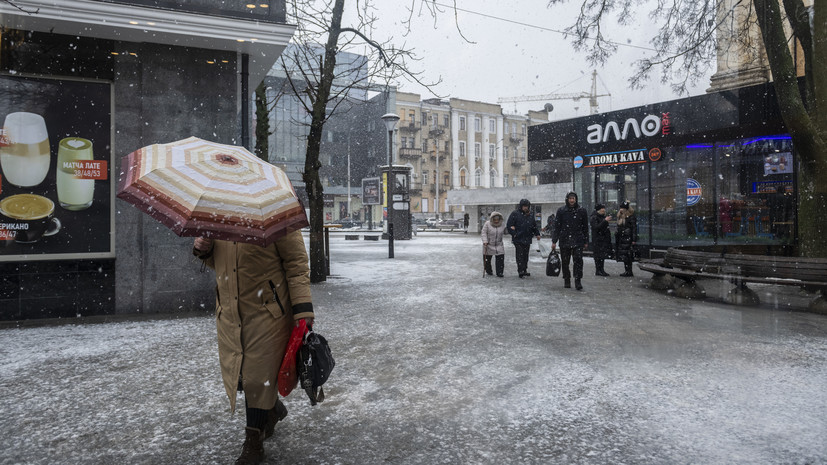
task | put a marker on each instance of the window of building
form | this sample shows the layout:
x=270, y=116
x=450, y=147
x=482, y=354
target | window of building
x=445, y=121
x=425, y=202
x=424, y=145
x=477, y=151
x=514, y=128
x=412, y=116
x=424, y=177
x=505, y=152
x=424, y=118
x=462, y=181
x=478, y=177
x=461, y=148
x=522, y=129
x=522, y=157
x=461, y=123
x=492, y=152
x=505, y=180
x=477, y=124
x=492, y=125
x=491, y=181
x=404, y=142
x=447, y=146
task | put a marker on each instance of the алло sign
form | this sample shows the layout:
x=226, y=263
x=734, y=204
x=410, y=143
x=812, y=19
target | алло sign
x=649, y=126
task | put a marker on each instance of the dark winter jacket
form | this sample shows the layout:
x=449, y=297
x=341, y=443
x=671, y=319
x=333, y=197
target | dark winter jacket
x=524, y=227
x=571, y=225
x=602, y=237
x=625, y=235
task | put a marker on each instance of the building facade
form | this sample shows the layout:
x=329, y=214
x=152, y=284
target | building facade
x=459, y=144
x=121, y=74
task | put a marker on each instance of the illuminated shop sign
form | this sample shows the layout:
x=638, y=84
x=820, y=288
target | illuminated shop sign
x=626, y=157
x=649, y=126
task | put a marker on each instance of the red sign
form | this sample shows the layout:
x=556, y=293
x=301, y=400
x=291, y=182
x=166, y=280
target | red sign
x=86, y=169
x=654, y=154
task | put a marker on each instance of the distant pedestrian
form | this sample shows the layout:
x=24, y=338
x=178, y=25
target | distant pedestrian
x=492, y=243
x=601, y=238
x=465, y=220
x=522, y=227
x=571, y=229
x=549, y=227
x=626, y=237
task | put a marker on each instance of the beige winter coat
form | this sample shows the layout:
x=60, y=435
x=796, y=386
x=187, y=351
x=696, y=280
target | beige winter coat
x=252, y=328
x=492, y=234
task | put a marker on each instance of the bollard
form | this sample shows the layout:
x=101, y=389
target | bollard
x=390, y=240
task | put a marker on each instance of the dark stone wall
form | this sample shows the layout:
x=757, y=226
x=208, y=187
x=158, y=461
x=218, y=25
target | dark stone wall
x=169, y=93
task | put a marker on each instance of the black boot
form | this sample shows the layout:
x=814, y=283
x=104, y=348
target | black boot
x=274, y=415
x=628, y=273
x=252, y=453
x=567, y=283
x=577, y=284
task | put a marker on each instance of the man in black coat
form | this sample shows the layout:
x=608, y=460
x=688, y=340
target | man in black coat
x=522, y=227
x=601, y=238
x=571, y=229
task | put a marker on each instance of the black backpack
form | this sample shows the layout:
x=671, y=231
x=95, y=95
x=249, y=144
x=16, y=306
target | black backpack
x=314, y=362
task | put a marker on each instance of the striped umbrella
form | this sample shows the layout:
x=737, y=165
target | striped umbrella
x=200, y=188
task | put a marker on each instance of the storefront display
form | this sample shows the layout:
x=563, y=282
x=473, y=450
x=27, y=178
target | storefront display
x=715, y=169
x=55, y=184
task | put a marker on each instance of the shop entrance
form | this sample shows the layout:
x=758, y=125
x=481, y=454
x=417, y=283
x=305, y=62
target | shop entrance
x=614, y=185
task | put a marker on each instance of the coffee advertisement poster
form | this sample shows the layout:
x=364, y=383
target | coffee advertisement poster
x=56, y=187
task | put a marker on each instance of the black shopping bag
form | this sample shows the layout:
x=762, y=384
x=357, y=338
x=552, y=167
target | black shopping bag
x=553, y=264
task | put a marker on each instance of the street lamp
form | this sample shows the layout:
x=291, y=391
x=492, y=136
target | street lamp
x=390, y=120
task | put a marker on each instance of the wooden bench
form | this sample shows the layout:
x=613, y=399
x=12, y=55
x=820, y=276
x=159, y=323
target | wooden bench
x=371, y=238
x=689, y=266
x=351, y=237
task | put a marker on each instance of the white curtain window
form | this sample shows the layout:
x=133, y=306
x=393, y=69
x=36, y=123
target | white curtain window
x=461, y=149
x=477, y=150
x=493, y=178
x=492, y=152
x=477, y=124
x=478, y=177
x=461, y=123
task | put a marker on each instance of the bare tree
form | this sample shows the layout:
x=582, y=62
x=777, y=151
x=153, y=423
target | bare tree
x=687, y=39
x=321, y=83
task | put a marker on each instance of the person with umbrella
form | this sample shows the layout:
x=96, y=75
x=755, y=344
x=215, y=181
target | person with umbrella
x=261, y=293
x=522, y=227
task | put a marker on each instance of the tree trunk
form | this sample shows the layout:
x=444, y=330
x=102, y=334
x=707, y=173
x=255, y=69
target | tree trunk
x=807, y=131
x=313, y=184
x=262, y=123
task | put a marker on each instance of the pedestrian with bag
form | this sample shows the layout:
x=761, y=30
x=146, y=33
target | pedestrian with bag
x=601, y=238
x=522, y=227
x=571, y=229
x=262, y=292
x=492, y=243
x=626, y=237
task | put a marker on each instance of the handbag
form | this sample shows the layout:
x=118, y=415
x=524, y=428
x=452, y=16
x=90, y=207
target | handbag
x=314, y=362
x=544, y=248
x=553, y=264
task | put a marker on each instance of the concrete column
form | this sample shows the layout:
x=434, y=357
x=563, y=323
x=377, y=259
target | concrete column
x=500, y=164
x=455, y=148
x=486, y=161
x=470, y=146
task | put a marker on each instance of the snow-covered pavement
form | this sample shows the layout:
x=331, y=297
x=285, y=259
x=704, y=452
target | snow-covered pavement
x=436, y=364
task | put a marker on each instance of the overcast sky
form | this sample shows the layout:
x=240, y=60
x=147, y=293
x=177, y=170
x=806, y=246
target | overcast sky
x=516, y=52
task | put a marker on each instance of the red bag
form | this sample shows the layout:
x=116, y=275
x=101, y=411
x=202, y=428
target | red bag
x=288, y=377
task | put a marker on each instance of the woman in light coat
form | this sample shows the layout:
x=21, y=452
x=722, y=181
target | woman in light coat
x=492, y=243
x=261, y=292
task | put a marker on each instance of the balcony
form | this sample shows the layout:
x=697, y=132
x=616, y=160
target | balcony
x=514, y=137
x=409, y=152
x=408, y=126
x=436, y=130
x=416, y=188
x=517, y=161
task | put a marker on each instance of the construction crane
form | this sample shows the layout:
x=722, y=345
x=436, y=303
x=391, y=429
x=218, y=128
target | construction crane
x=592, y=96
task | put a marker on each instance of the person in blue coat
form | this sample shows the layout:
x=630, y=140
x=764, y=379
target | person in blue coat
x=522, y=227
x=571, y=229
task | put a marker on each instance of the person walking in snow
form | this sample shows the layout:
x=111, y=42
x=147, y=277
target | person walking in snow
x=601, y=238
x=522, y=227
x=492, y=243
x=571, y=229
x=626, y=237
x=261, y=293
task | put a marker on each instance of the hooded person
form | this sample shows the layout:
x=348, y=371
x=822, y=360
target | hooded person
x=492, y=243
x=522, y=227
x=626, y=237
x=571, y=230
x=601, y=238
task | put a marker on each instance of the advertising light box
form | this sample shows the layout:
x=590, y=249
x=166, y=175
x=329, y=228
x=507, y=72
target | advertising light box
x=56, y=183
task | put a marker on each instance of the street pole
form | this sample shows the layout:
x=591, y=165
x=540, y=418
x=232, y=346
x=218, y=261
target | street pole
x=390, y=120
x=436, y=182
x=348, y=179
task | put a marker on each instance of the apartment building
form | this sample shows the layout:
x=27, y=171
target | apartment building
x=459, y=144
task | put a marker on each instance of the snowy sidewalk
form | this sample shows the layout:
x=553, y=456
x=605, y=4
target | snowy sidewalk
x=437, y=365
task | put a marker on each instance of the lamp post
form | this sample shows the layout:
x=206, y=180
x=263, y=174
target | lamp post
x=390, y=120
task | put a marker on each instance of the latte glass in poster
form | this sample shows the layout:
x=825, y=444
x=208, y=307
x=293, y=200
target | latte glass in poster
x=56, y=191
